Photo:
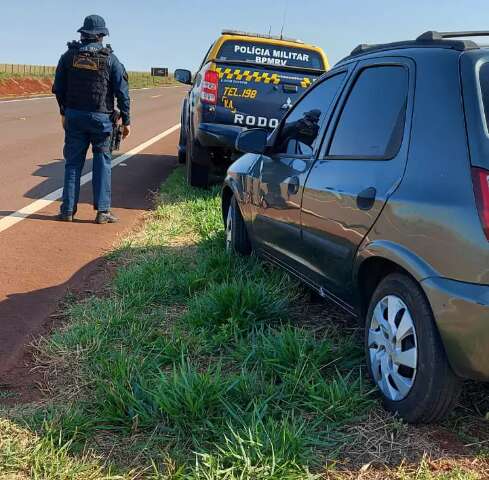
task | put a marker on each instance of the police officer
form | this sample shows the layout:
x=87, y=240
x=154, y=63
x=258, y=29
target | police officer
x=88, y=77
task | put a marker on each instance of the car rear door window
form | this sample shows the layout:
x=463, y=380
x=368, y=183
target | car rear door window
x=484, y=83
x=371, y=124
x=300, y=130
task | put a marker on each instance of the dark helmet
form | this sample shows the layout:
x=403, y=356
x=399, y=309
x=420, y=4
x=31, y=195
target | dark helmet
x=94, y=25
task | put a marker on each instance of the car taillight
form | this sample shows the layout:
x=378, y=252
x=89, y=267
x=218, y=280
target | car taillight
x=210, y=84
x=480, y=178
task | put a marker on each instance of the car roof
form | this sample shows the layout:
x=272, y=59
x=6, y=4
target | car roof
x=266, y=39
x=240, y=33
x=428, y=40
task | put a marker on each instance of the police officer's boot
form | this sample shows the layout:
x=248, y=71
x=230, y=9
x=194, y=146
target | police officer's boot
x=105, y=217
x=64, y=217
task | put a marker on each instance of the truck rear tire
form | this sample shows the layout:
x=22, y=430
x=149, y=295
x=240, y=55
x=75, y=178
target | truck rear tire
x=182, y=148
x=182, y=156
x=197, y=173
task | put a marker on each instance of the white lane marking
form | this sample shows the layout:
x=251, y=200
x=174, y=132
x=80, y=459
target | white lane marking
x=157, y=88
x=49, y=97
x=156, y=96
x=52, y=97
x=23, y=213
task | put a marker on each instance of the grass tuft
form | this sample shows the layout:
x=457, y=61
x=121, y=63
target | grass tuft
x=230, y=309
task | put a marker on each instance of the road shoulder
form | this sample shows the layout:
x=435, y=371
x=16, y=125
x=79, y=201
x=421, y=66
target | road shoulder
x=42, y=259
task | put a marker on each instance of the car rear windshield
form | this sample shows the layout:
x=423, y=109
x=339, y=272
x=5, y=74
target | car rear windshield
x=269, y=54
x=484, y=83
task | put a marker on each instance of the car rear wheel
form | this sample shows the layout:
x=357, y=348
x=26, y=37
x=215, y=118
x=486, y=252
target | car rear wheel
x=405, y=354
x=237, y=240
x=197, y=158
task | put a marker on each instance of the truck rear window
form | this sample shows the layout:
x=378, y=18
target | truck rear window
x=269, y=54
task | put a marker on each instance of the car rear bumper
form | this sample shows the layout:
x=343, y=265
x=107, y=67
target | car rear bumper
x=218, y=135
x=462, y=315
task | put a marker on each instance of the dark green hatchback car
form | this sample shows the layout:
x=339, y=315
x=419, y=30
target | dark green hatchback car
x=374, y=190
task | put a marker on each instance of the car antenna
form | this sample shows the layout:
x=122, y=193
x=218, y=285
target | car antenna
x=286, y=8
x=270, y=31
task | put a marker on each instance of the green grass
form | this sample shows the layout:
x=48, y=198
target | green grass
x=197, y=365
x=136, y=79
x=5, y=76
x=144, y=79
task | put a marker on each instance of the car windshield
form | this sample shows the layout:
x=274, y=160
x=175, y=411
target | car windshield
x=270, y=54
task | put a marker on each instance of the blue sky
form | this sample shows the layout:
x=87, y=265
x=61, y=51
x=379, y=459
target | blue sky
x=174, y=33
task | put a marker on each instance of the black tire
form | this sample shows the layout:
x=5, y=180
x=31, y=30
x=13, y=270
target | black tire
x=182, y=148
x=182, y=155
x=434, y=387
x=197, y=172
x=237, y=240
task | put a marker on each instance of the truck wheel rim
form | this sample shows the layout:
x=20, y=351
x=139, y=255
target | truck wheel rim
x=229, y=229
x=393, y=348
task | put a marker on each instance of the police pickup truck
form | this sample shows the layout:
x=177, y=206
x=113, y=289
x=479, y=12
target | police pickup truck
x=245, y=81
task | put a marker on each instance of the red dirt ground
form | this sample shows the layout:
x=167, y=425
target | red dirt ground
x=21, y=87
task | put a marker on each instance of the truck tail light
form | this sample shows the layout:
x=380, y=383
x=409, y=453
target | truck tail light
x=480, y=179
x=210, y=84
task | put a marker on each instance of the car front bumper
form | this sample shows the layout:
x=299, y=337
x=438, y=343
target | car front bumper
x=462, y=315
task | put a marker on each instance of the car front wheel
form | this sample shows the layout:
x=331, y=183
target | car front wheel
x=405, y=354
x=237, y=240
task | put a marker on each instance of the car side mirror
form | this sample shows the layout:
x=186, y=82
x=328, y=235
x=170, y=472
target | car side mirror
x=252, y=141
x=183, y=76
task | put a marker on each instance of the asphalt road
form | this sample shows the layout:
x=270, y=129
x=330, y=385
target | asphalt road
x=40, y=258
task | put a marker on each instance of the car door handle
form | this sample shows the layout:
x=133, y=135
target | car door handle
x=292, y=185
x=366, y=198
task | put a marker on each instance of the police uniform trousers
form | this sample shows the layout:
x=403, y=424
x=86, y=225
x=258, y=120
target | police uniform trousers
x=83, y=129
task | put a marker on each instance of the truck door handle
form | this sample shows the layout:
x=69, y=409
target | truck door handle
x=293, y=185
x=366, y=198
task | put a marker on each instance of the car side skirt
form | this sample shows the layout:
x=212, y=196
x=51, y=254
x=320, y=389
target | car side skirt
x=321, y=291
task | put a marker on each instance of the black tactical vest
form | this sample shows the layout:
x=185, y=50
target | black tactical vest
x=88, y=82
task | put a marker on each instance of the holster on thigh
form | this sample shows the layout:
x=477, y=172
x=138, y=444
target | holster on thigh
x=103, y=147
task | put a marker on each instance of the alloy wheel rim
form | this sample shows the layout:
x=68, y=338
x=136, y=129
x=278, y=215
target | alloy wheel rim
x=229, y=229
x=393, y=348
